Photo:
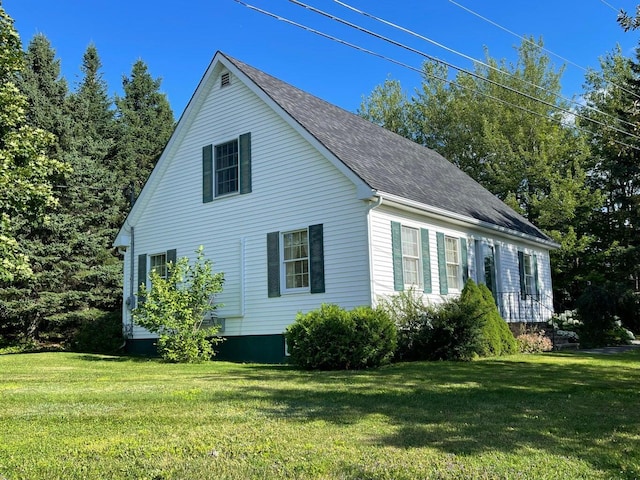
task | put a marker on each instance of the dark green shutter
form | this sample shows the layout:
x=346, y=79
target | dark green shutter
x=245, y=163
x=426, y=260
x=171, y=259
x=464, y=260
x=207, y=173
x=442, y=264
x=142, y=273
x=396, y=249
x=523, y=290
x=273, y=264
x=316, y=258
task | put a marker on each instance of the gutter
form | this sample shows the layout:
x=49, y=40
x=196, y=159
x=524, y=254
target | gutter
x=406, y=204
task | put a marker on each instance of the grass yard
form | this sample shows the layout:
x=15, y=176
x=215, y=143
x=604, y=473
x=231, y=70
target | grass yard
x=553, y=416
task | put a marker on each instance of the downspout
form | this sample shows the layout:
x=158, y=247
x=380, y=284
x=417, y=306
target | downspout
x=370, y=208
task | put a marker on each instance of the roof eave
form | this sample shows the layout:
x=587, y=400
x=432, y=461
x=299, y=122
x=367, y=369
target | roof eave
x=463, y=220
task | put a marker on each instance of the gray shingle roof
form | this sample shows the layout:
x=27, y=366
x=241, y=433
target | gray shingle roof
x=388, y=162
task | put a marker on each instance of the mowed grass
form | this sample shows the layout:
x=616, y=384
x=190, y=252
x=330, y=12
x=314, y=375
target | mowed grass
x=554, y=416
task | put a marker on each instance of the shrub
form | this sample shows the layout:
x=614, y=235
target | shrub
x=175, y=308
x=413, y=320
x=455, y=332
x=496, y=337
x=99, y=333
x=331, y=338
x=534, y=343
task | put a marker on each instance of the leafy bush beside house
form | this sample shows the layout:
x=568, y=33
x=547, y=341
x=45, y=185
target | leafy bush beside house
x=176, y=306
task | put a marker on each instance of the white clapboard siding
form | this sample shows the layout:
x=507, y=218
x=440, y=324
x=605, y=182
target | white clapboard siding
x=293, y=186
x=506, y=249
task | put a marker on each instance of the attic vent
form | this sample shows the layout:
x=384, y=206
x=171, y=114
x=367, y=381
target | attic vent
x=225, y=79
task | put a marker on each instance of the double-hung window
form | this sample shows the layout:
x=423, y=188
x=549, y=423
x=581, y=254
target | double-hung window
x=226, y=171
x=528, y=266
x=296, y=259
x=411, y=255
x=158, y=264
x=226, y=168
x=452, y=255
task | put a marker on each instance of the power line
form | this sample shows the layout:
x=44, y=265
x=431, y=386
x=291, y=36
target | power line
x=460, y=69
x=611, y=6
x=479, y=62
x=546, y=50
x=399, y=63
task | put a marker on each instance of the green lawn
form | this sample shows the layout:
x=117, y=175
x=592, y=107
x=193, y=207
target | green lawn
x=552, y=416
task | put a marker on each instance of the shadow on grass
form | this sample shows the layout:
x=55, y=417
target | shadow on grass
x=572, y=405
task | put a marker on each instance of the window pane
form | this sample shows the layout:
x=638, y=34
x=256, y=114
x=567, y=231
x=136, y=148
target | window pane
x=452, y=255
x=296, y=263
x=411, y=273
x=227, y=168
x=158, y=263
x=410, y=242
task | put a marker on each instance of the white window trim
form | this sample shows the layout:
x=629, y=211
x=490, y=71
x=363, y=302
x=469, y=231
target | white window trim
x=451, y=288
x=217, y=195
x=529, y=279
x=283, y=262
x=419, y=273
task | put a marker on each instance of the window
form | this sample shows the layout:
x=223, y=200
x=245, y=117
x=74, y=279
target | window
x=410, y=256
x=528, y=274
x=452, y=255
x=158, y=264
x=296, y=259
x=528, y=266
x=226, y=170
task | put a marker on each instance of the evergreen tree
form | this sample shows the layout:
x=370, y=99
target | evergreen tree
x=145, y=122
x=519, y=147
x=614, y=92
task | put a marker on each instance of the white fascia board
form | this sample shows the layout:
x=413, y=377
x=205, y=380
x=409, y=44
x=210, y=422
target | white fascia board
x=364, y=191
x=462, y=220
x=162, y=164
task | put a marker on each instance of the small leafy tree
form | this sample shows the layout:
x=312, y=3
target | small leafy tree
x=175, y=308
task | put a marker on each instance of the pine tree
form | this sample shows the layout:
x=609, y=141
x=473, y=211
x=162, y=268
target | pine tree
x=145, y=122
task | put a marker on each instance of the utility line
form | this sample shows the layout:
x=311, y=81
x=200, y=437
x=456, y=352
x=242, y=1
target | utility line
x=420, y=71
x=546, y=50
x=479, y=62
x=460, y=69
x=610, y=6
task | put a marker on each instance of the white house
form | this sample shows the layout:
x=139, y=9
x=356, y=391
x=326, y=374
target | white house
x=301, y=203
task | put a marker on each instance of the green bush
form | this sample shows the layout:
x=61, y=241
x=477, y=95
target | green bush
x=413, y=320
x=99, y=333
x=176, y=307
x=332, y=338
x=455, y=332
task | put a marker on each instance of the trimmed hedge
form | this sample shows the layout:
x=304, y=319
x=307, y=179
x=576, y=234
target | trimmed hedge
x=332, y=338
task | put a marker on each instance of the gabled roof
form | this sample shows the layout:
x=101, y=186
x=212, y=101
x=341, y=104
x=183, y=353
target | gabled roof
x=387, y=162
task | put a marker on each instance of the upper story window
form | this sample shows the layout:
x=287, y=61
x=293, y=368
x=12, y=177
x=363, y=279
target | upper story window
x=452, y=256
x=296, y=259
x=226, y=170
x=411, y=255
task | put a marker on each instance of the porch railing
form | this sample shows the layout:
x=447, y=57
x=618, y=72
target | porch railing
x=527, y=308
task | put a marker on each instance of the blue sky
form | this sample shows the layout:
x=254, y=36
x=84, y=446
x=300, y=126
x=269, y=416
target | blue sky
x=178, y=39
